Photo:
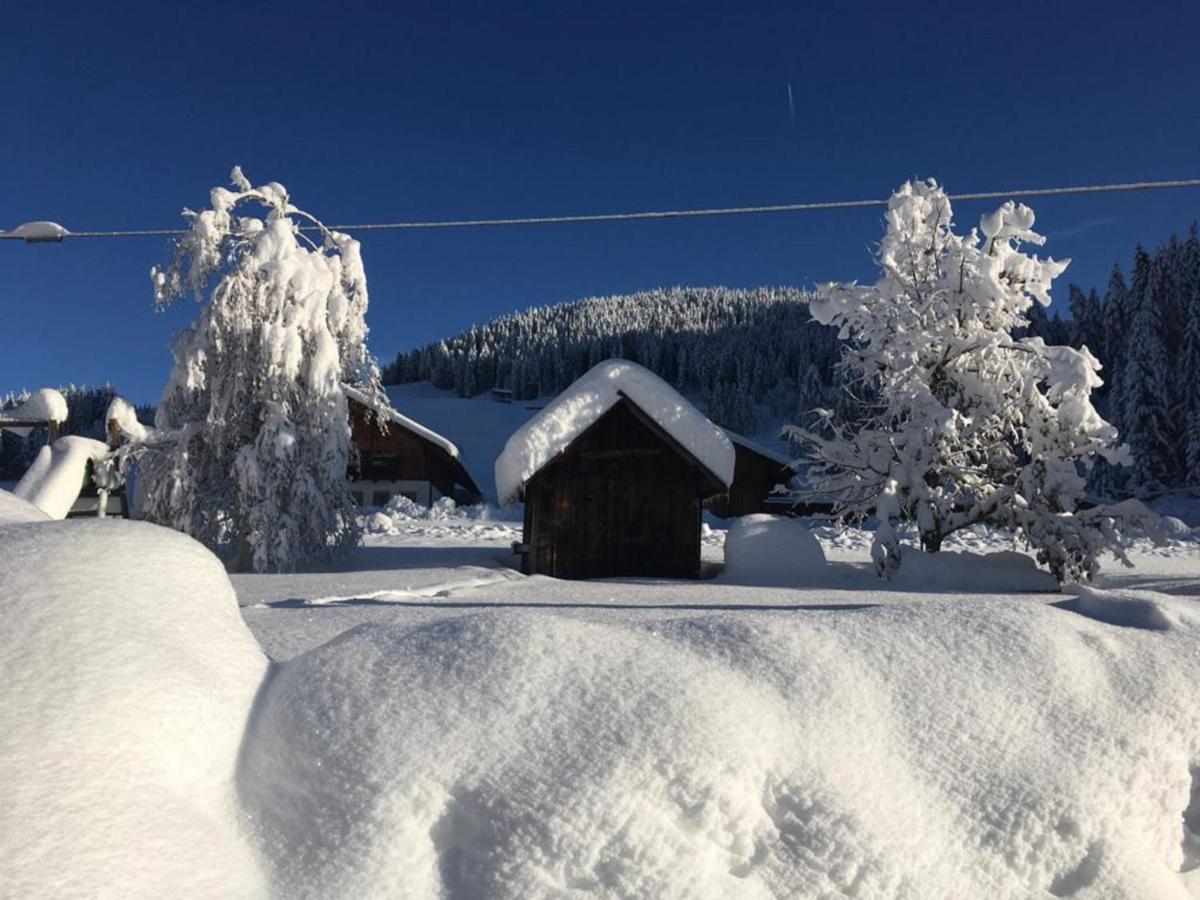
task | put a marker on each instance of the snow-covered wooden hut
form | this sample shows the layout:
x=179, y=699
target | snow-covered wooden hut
x=614, y=473
x=756, y=474
x=407, y=459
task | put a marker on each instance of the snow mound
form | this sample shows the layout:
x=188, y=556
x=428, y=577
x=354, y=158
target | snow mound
x=1148, y=610
x=1004, y=572
x=128, y=677
x=43, y=405
x=765, y=549
x=13, y=509
x=54, y=478
x=593, y=394
x=931, y=750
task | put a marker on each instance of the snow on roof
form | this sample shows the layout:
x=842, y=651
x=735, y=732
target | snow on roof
x=43, y=405
x=593, y=394
x=392, y=415
x=53, y=481
x=760, y=449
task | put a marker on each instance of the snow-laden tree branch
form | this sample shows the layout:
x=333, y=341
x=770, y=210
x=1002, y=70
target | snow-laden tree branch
x=252, y=433
x=968, y=424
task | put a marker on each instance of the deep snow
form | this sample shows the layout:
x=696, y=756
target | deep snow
x=128, y=678
x=55, y=477
x=437, y=724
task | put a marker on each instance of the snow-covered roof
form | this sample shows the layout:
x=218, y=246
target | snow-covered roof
x=593, y=394
x=394, y=416
x=760, y=449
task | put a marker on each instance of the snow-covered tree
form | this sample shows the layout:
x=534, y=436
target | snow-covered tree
x=967, y=423
x=1145, y=383
x=252, y=432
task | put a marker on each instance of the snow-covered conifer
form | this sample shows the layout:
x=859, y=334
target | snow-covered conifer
x=252, y=434
x=968, y=424
x=1145, y=383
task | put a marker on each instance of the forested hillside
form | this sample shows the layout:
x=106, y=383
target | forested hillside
x=751, y=355
x=747, y=354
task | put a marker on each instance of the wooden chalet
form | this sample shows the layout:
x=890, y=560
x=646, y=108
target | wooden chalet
x=758, y=470
x=623, y=497
x=406, y=459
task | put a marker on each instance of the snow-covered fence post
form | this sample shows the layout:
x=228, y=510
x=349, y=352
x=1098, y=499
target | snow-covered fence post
x=252, y=433
x=966, y=424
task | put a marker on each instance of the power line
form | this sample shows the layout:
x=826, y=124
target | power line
x=817, y=206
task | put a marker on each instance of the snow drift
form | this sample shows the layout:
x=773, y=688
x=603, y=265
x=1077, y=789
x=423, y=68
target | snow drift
x=128, y=676
x=55, y=477
x=592, y=395
x=53, y=481
x=1002, y=749
x=13, y=509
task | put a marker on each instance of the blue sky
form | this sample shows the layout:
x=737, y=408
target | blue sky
x=116, y=116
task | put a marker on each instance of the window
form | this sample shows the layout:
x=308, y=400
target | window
x=380, y=498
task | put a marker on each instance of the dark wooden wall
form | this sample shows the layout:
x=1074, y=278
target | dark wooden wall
x=398, y=455
x=754, y=476
x=620, y=501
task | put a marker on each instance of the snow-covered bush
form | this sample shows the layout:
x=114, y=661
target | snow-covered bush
x=253, y=436
x=970, y=424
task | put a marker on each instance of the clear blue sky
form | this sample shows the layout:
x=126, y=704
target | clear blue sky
x=117, y=115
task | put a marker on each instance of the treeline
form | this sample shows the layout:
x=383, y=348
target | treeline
x=86, y=407
x=1145, y=330
x=749, y=355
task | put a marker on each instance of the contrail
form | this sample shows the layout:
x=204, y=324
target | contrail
x=791, y=103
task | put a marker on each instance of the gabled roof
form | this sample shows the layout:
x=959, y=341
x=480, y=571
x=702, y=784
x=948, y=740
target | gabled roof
x=387, y=411
x=577, y=408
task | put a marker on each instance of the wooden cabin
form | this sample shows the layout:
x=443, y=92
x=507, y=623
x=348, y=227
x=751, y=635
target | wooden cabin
x=624, y=499
x=614, y=472
x=405, y=459
x=757, y=472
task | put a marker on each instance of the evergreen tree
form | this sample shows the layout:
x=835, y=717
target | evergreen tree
x=1144, y=385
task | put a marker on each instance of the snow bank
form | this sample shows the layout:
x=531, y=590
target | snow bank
x=939, y=750
x=43, y=405
x=1005, y=572
x=595, y=392
x=13, y=510
x=763, y=549
x=128, y=677
x=53, y=481
x=1132, y=608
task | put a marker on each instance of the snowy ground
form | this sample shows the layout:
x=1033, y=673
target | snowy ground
x=431, y=569
x=429, y=722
